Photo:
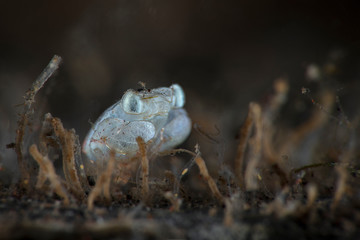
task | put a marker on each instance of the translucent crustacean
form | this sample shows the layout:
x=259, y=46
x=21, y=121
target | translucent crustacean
x=155, y=115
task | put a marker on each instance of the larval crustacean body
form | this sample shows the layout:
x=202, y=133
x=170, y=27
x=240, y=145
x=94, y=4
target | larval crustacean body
x=156, y=115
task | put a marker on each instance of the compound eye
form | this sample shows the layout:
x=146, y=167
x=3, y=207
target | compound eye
x=132, y=103
x=179, y=95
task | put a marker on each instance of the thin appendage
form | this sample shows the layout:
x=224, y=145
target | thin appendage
x=203, y=170
x=175, y=151
x=186, y=168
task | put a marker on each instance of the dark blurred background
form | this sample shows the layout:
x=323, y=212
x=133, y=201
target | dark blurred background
x=223, y=53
